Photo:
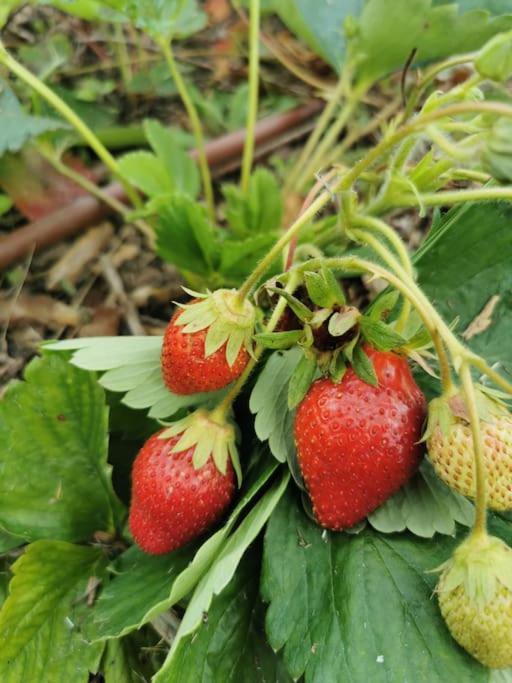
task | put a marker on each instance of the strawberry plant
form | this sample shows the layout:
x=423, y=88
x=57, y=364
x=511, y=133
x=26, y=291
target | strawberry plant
x=320, y=483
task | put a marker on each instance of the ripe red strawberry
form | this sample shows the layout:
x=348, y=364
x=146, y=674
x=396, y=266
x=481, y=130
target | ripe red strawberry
x=358, y=444
x=206, y=344
x=173, y=499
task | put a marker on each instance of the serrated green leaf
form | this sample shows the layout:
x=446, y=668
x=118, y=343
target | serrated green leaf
x=16, y=126
x=53, y=454
x=229, y=645
x=39, y=621
x=435, y=31
x=260, y=210
x=168, y=146
x=317, y=289
x=278, y=340
x=143, y=586
x=185, y=236
x=301, y=380
x=8, y=541
x=223, y=569
x=269, y=403
x=425, y=506
x=381, y=336
x=363, y=366
x=146, y=172
x=365, y=612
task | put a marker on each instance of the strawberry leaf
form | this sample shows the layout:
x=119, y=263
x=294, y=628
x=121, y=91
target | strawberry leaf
x=39, y=621
x=268, y=402
x=229, y=645
x=425, y=506
x=132, y=366
x=365, y=604
x=260, y=210
x=144, y=586
x=17, y=127
x=222, y=571
x=55, y=460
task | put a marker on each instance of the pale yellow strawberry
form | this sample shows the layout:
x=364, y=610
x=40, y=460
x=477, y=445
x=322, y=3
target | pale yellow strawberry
x=475, y=598
x=450, y=447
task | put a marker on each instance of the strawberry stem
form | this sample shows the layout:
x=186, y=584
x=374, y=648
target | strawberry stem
x=252, y=111
x=480, y=524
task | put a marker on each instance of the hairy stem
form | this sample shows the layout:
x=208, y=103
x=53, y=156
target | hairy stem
x=252, y=109
x=316, y=134
x=195, y=124
x=479, y=527
x=453, y=197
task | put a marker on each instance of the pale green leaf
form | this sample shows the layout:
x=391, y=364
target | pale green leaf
x=167, y=145
x=146, y=172
x=258, y=210
x=269, y=403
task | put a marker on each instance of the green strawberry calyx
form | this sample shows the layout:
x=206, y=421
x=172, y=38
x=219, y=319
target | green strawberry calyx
x=450, y=408
x=209, y=436
x=228, y=319
x=480, y=564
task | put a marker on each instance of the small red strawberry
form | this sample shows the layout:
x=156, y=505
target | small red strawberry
x=183, y=479
x=358, y=444
x=207, y=343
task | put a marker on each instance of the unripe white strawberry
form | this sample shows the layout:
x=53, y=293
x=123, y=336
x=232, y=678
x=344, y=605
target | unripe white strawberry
x=450, y=446
x=475, y=598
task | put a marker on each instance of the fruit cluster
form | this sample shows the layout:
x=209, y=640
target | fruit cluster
x=358, y=432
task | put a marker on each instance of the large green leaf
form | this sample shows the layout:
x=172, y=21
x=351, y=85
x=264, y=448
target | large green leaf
x=131, y=365
x=16, y=126
x=223, y=569
x=467, y=260
x=40, y=620
x=388, y=32
x=229, y=646
x=144, y=586
x=358, y=607
x=55, y=480
x=319, y=24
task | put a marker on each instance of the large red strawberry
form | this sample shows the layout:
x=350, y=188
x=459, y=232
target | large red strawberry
x=207, y=342
x=357, y=444
x=178, y=492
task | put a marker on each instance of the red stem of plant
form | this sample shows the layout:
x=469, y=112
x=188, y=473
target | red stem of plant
x=87, y=211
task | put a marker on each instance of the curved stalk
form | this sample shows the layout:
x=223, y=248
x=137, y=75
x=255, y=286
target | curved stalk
x=316, y=134
x=195, y=123
x=480, y=526
x=252, y=110
x=454, y=197
x=69, y=115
